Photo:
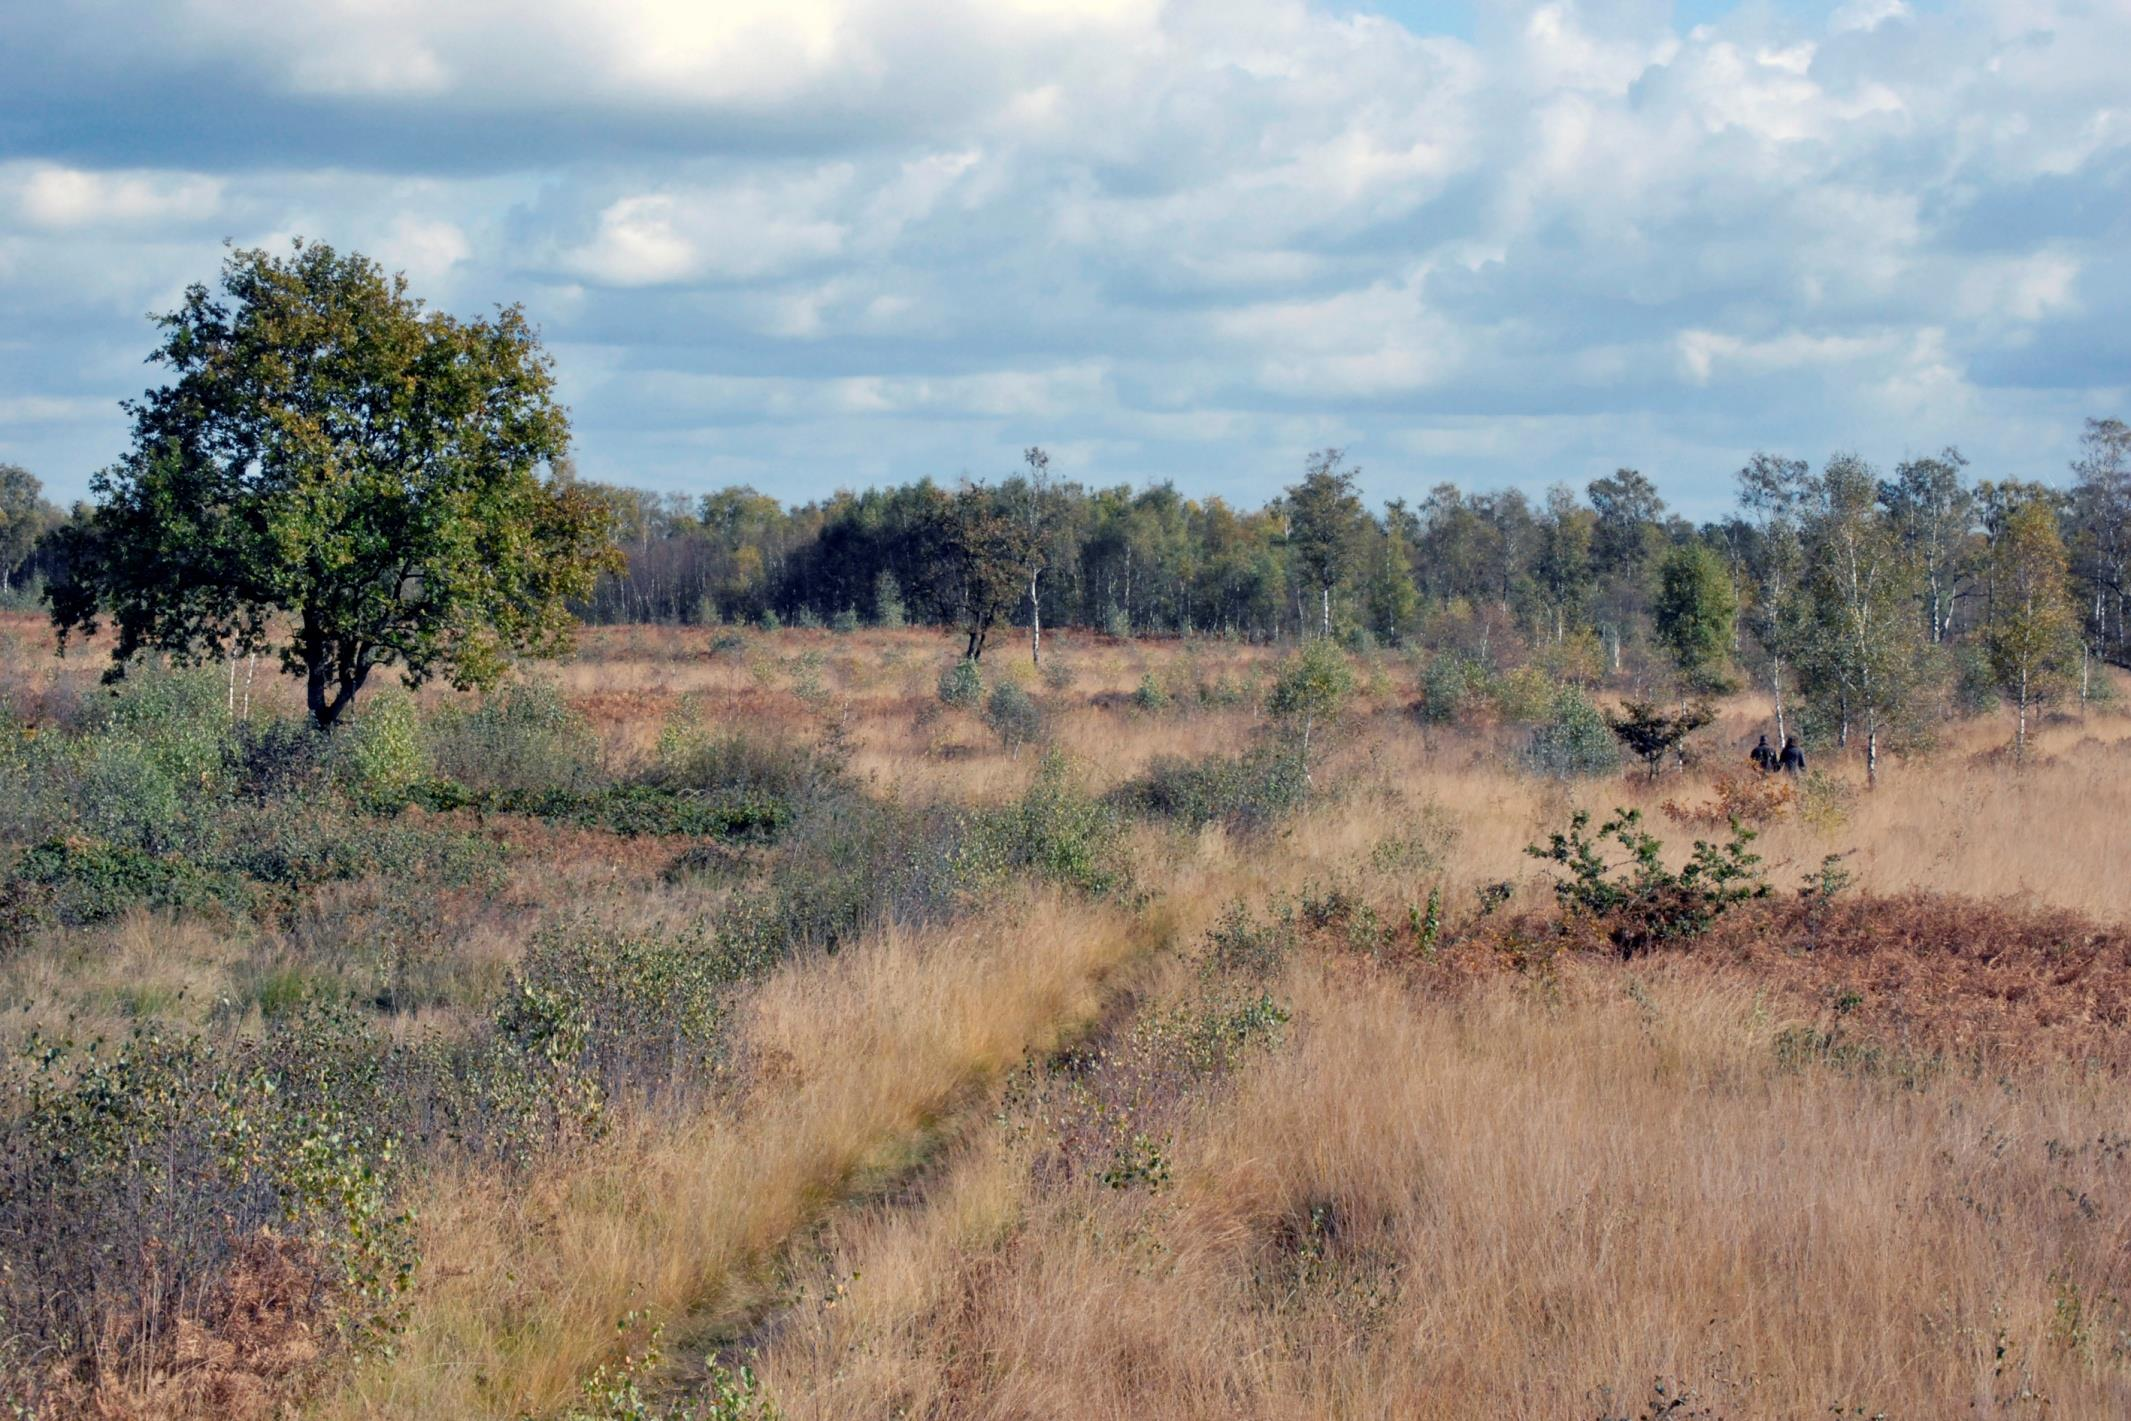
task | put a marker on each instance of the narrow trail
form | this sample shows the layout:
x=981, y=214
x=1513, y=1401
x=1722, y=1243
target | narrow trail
x=870, y=1052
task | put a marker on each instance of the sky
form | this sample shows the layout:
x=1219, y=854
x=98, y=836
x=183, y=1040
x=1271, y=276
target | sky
x=816, y=244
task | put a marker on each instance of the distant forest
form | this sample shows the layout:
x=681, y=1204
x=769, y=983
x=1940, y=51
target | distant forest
x=1568, y=567
x=1862, y=590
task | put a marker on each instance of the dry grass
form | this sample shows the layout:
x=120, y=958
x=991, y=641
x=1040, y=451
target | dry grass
x=1516, y=1206
x=1499, y=1196
x=863, y=1052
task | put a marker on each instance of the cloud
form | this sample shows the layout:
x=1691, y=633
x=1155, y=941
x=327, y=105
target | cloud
x=824, y=240
x=60, y=198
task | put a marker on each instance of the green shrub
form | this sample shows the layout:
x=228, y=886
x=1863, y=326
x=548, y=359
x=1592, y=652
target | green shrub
x=888, y=609
x=1013, y=716
x=844, y=622
x=1454, y=687
x=1149, y=696
x=1055, y=831
x=524, y=740
x=962, y=684
x=378, y=756
x=1641, y=903
x=78, y=880
x=1574, y=741
x=180, y=719
x=134, y=1177
x=1246, y=792
x=1526, y=696
x=1311, y=690
x=703, y=759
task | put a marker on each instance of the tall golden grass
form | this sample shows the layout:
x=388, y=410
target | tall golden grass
x=863, y=1052
x=1536, y=1198
x=1518, y=1205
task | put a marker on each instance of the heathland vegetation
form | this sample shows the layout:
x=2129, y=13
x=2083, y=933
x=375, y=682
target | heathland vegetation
x=1348, y=966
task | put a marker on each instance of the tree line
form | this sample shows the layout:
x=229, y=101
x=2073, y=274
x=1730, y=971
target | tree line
x=339, y=476
x=1858, y=599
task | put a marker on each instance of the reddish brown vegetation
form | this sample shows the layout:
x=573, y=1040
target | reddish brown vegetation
x=242, y=1357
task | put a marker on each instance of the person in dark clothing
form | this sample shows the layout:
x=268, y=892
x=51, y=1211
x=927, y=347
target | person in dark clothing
x=1764, y=757
x=1793, y=759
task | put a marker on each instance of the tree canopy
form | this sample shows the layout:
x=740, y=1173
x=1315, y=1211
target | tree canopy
x=341, y=476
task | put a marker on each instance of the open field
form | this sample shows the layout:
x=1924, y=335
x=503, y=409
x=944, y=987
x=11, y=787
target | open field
x=731, y=988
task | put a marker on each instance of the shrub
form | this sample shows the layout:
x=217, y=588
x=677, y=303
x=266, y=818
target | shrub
x=1055, y=831
x=179, y=718
x=646, y=1013
x=845, y=621
x=703, y=760
x=1246, y=792
x=1311, y=690
x=1013, y=716
x=962, y=684
x=1149, y=696
x=807, y=619
x=1526, y=696
x=135, y=1178
x=526, y=739
x=1453, y=688
x=1653, y=735
x=378, y=755
x=888, y=608
x=79, y=880
x=1744, y=796
x=1057, y=676
x=1640, y=902
x=1574, y=740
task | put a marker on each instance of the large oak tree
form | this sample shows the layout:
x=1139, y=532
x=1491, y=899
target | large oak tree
x=339, y=475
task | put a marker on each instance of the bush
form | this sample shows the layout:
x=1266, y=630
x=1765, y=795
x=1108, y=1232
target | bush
x=525, y=740
x=888, y=608
x=77, y=881
x=1454, y=688
x=1574, y=741
x=699, y=759
x=1150, y=696
x=844, y=622
x=1640, y=902
x=1246, y=792
x=1311, y=690
x=1653, y=735
x=378, y=756
x=1526, y=696
x=134, y=1180
x=1055, y=831
x=1013, y=716
x=962, y=684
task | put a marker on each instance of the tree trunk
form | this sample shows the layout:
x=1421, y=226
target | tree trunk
x=1872, y=753
x=1035, y=622
x=1776, y=685
x=1328, y=609
x=2020, y=718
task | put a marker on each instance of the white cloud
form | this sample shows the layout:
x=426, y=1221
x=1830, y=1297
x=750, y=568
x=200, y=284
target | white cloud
x=1867, y=14
x=62, y=198
x=1133, y=224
